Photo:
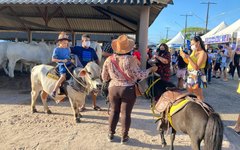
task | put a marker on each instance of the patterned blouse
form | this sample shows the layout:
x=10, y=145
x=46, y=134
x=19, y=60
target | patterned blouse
x=128, y=65
x=164, y=69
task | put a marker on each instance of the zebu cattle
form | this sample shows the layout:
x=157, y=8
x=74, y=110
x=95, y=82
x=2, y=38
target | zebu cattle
x=33, y=53
x=96, y=46
x=88, y=80
x=3, y=55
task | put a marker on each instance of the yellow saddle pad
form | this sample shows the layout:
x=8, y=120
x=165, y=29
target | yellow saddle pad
x=175, y=108
x=52, y=74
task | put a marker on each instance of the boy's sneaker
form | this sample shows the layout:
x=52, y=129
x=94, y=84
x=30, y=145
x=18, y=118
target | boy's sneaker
x=53, y=94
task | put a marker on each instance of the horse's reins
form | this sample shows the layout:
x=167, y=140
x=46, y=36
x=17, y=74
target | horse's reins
x=84, y=85
x=147, y=91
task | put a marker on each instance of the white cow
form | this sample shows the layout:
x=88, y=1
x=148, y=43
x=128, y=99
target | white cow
x=32, y=53
x=88, y=80
x=3, y=55
x=97, y=47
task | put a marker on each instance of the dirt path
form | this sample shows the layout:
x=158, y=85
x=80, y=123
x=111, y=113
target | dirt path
x=22, y=130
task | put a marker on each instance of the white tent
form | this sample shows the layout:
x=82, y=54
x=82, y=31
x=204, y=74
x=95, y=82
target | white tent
x=176, y=41
x=218, y=28
x=230, y=30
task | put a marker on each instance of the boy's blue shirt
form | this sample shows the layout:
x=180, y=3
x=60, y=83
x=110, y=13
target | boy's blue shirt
x=85, y=55
x=61, y=54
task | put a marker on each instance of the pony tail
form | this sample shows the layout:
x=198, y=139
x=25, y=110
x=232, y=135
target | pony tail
x=213, y=133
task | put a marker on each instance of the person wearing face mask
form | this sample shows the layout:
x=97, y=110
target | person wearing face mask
x=196, y=64
x=86, y=54
x=208, y=70
x=163, y=57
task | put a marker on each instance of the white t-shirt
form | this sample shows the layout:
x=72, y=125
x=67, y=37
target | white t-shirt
x=224, y=58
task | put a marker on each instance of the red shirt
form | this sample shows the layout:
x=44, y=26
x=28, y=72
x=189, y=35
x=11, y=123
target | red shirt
x=137, y=54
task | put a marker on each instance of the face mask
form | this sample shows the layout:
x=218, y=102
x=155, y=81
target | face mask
x=161, y=52
x=193, y=47
x=209, y=51
x=86, y=44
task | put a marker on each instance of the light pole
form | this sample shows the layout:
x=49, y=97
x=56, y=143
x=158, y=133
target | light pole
x=167, y=32
x=208, y=6
x=185, y=30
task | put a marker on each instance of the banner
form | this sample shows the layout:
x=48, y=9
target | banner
x=218, y=39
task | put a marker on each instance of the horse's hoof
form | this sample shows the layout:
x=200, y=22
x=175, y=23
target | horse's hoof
x=78, y=120
x=49, y=112
x=34, y=110
x=164, y=144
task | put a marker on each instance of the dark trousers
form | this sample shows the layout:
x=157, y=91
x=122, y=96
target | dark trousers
x=233, y=70
x=208, y=73
x=121, y=100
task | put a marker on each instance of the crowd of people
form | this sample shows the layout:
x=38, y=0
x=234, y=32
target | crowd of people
x=218, y=62
x=121, y=66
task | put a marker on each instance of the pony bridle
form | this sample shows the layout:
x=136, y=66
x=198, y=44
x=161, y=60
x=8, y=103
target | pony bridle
x=83, y=84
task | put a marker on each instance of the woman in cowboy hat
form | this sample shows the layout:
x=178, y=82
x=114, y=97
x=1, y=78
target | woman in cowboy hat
x=61, y=55
x=121, y=90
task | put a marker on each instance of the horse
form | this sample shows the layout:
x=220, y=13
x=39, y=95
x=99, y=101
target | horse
x=193, y=120
x=84, y=81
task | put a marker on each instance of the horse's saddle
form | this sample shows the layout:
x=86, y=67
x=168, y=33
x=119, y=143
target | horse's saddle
x=169, y=98
x=53, y=73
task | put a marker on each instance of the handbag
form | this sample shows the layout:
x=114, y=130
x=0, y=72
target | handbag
x=139, y=90
x=104, y=90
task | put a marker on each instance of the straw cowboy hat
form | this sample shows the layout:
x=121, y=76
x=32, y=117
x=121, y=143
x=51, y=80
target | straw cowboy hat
x=63, y=36
x=122, y=45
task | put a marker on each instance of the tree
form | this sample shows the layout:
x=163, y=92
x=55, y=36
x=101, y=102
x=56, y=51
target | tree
x=192, y=31
x=164, y=40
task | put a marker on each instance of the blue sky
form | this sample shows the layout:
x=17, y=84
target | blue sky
x=223, y=10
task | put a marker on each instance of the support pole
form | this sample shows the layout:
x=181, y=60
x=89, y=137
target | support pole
x=143, y=34
x=29, y=36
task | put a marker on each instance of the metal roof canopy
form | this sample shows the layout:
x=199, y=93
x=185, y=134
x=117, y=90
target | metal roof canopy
x=77, y=16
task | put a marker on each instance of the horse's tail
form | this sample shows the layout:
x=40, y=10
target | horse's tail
x=213, y=133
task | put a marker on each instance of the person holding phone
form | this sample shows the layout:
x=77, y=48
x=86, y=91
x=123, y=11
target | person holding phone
x=195, y=69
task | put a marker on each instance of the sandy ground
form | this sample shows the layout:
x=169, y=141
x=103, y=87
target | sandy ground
x=22, y=130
